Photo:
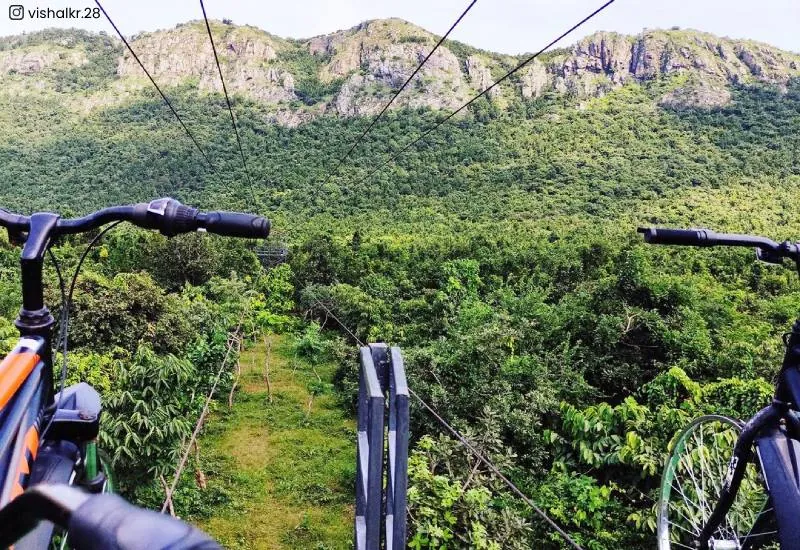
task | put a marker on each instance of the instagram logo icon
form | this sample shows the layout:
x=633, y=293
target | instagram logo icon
x=16, y=12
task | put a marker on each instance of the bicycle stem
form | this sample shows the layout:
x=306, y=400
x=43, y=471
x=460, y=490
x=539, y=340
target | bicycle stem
x=34, y=317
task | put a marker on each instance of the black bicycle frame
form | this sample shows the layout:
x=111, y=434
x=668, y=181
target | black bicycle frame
x=775, y=433
x=21, y=416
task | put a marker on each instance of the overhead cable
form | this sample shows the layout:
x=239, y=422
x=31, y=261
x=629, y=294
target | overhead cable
x=397, y=93
x=485, y=91
x=163, y=96
x=230, y=109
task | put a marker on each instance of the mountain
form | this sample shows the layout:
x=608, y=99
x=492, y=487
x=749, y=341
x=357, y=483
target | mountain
x=354, y=72
x=500, y=252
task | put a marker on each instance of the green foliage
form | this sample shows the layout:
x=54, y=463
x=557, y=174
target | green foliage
x=316, y=347
x=8, y=336
x=411, y=39
x=278, y=290
x=305, y=66
x=276, y=302
x=97, y=69
x=580, y=503
x=455, y=513
x=193, y=501
x=149, y=412
x=500, y=253
x=99, y=371
x=735, y=397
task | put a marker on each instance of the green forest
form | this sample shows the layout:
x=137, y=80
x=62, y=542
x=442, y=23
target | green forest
x=500, y=254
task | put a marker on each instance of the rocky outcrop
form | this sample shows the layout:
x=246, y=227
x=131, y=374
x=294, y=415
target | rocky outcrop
x=534, y=80
x=714, y=62
x=354, y=72
x=480, y=76
x=174, y=57
x=697, y=94
x=31, y=62
x=603, y=53
x=377, y=57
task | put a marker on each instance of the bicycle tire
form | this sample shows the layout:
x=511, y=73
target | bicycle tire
x=690, y=487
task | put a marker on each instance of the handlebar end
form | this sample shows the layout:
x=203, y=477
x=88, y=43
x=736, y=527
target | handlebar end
x=235, y=224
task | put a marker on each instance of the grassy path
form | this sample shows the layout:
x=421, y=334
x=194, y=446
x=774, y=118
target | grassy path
x=287, y=470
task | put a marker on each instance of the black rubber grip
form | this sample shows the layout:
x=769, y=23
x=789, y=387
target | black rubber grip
x=107, y=522
x=235, y=224
x=685, y=237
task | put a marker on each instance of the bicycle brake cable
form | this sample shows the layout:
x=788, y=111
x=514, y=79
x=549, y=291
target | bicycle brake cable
x=66, y=300
x=63, y=320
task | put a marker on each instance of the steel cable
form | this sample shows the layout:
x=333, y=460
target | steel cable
x=463, y=440
x=397, y=93
x=163, y=96
x=228, y=101
x=484, y=92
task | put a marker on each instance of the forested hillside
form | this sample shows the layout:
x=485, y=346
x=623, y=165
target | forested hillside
x=500, y=253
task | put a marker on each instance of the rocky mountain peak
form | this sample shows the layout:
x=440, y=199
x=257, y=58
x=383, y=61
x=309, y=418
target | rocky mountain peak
x=354, y=71
x=604, y=60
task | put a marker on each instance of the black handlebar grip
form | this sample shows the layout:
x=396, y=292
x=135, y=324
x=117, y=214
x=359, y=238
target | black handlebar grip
x=107, y=522
x=234, y=224
x=685, y=237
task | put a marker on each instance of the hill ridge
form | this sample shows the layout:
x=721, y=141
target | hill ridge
x=353, y=72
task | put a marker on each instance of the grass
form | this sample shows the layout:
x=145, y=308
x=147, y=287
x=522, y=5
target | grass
x=287, y=471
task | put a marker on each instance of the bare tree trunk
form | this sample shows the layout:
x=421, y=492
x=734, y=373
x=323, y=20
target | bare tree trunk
x=268, y=348
x=471, y=475
x=199, y=475
x=238, y=373
x=310, y=402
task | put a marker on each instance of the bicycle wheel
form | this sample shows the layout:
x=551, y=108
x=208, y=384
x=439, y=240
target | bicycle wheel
x=691, y=485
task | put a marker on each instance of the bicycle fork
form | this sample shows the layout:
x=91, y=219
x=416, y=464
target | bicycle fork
x=742, y=455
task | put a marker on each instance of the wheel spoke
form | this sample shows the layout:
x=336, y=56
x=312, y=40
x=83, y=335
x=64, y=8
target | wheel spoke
x=750, y=535
x=692, y=486
x=695, y=527
x=682, y=528
x=700, y=496
x=688, y=505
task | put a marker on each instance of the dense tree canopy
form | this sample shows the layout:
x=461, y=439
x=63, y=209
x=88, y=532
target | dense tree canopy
x=500, y=253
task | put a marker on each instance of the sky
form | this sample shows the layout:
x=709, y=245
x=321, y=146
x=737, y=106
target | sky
x=506, y=26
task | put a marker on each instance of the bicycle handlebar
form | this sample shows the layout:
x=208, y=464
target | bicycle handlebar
x=706, y=237
x=108, y=522
x=167, y=215
x=687, y=237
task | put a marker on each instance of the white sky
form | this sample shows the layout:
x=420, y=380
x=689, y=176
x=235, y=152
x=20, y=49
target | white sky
x=508, y=26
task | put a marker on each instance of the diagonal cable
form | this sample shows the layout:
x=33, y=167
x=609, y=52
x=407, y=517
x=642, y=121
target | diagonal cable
x=397, y=93
x=484, y=92
x=228, y=101
x=463, y=440
x=541, y=513
x=234, y=337
x=164, y=97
